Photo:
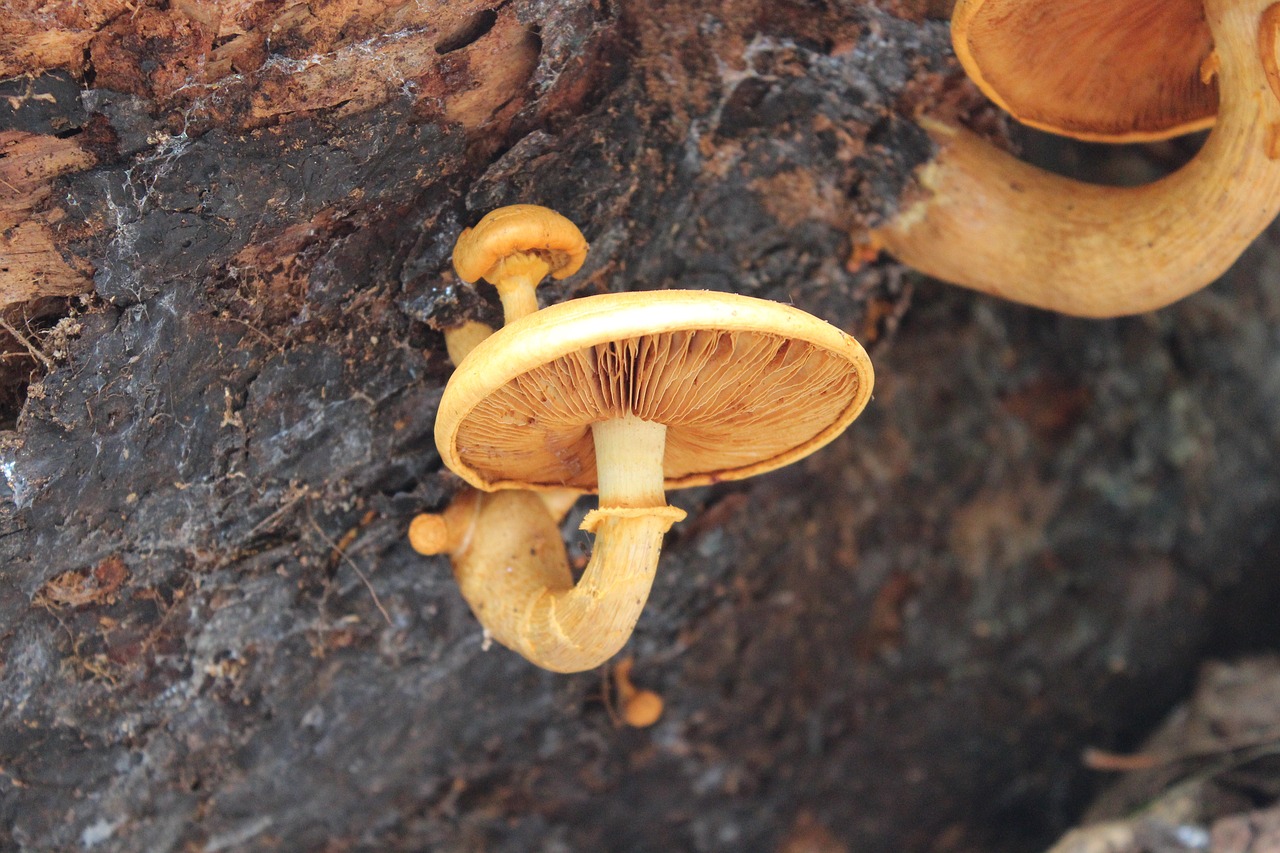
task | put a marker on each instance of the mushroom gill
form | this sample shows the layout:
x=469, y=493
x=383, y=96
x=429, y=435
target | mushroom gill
x=730, y=399
x=1092, y=69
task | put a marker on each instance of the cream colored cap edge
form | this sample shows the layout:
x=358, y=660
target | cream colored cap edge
x=561, y=329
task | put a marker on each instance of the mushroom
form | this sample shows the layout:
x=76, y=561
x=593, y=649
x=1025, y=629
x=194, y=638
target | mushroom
x=987, y=221
x=1122, y=71
x=515, y=247
x=628, y=395
x=639, y=708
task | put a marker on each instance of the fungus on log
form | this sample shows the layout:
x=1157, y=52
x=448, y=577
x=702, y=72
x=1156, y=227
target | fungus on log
x=515, y=247
x=992, y=223
x=628, y=395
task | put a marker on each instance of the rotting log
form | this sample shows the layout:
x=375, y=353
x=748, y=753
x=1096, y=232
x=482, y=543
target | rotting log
x=213, y=635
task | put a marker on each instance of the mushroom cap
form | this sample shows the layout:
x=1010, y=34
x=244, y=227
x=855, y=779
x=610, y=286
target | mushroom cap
x=527, y=228
x=1101, y=70
x=743, y=385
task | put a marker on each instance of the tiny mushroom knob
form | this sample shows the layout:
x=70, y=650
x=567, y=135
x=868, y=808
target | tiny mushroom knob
x=445, y=532
x=1110, y=70
x=640, y=708
x=628, y=395
x=429, y=534
x=514, y=248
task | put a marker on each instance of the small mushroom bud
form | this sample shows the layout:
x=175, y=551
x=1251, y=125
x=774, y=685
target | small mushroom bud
x=639, y=708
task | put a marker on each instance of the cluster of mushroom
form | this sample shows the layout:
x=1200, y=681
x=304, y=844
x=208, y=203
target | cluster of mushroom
x=632, y=394
x=1102, y=70
x=626, y=395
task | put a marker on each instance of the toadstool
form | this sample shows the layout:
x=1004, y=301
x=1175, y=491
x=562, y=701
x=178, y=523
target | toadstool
x=628, y=395
x=429, y=533
x=515, y=247
x=639, y=708
x=987, y=221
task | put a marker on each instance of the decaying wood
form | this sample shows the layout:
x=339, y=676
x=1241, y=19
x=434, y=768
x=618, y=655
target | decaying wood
x=31, y=263
x=901, y=643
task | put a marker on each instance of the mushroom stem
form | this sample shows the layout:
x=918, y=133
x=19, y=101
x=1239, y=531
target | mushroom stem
x=511, y=566
x=461, y=340
x=629, y=457
x=516, y=279
x=1000, y=226
x=510, y=561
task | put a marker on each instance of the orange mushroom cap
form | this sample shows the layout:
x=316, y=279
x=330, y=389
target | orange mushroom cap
x=519, y=229
x=742, y=385
x=1101, y=70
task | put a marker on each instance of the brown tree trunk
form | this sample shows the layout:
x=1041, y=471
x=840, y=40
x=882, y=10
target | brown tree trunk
x=224, y=240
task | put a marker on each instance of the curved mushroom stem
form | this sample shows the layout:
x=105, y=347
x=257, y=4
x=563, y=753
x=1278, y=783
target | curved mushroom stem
x=516, y=279
x=510, y=561
x=995, y=224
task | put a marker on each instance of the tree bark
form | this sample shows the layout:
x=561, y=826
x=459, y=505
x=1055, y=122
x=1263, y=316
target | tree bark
x=224, y=263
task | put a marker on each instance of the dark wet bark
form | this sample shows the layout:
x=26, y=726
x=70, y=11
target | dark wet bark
x=1025, y=546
